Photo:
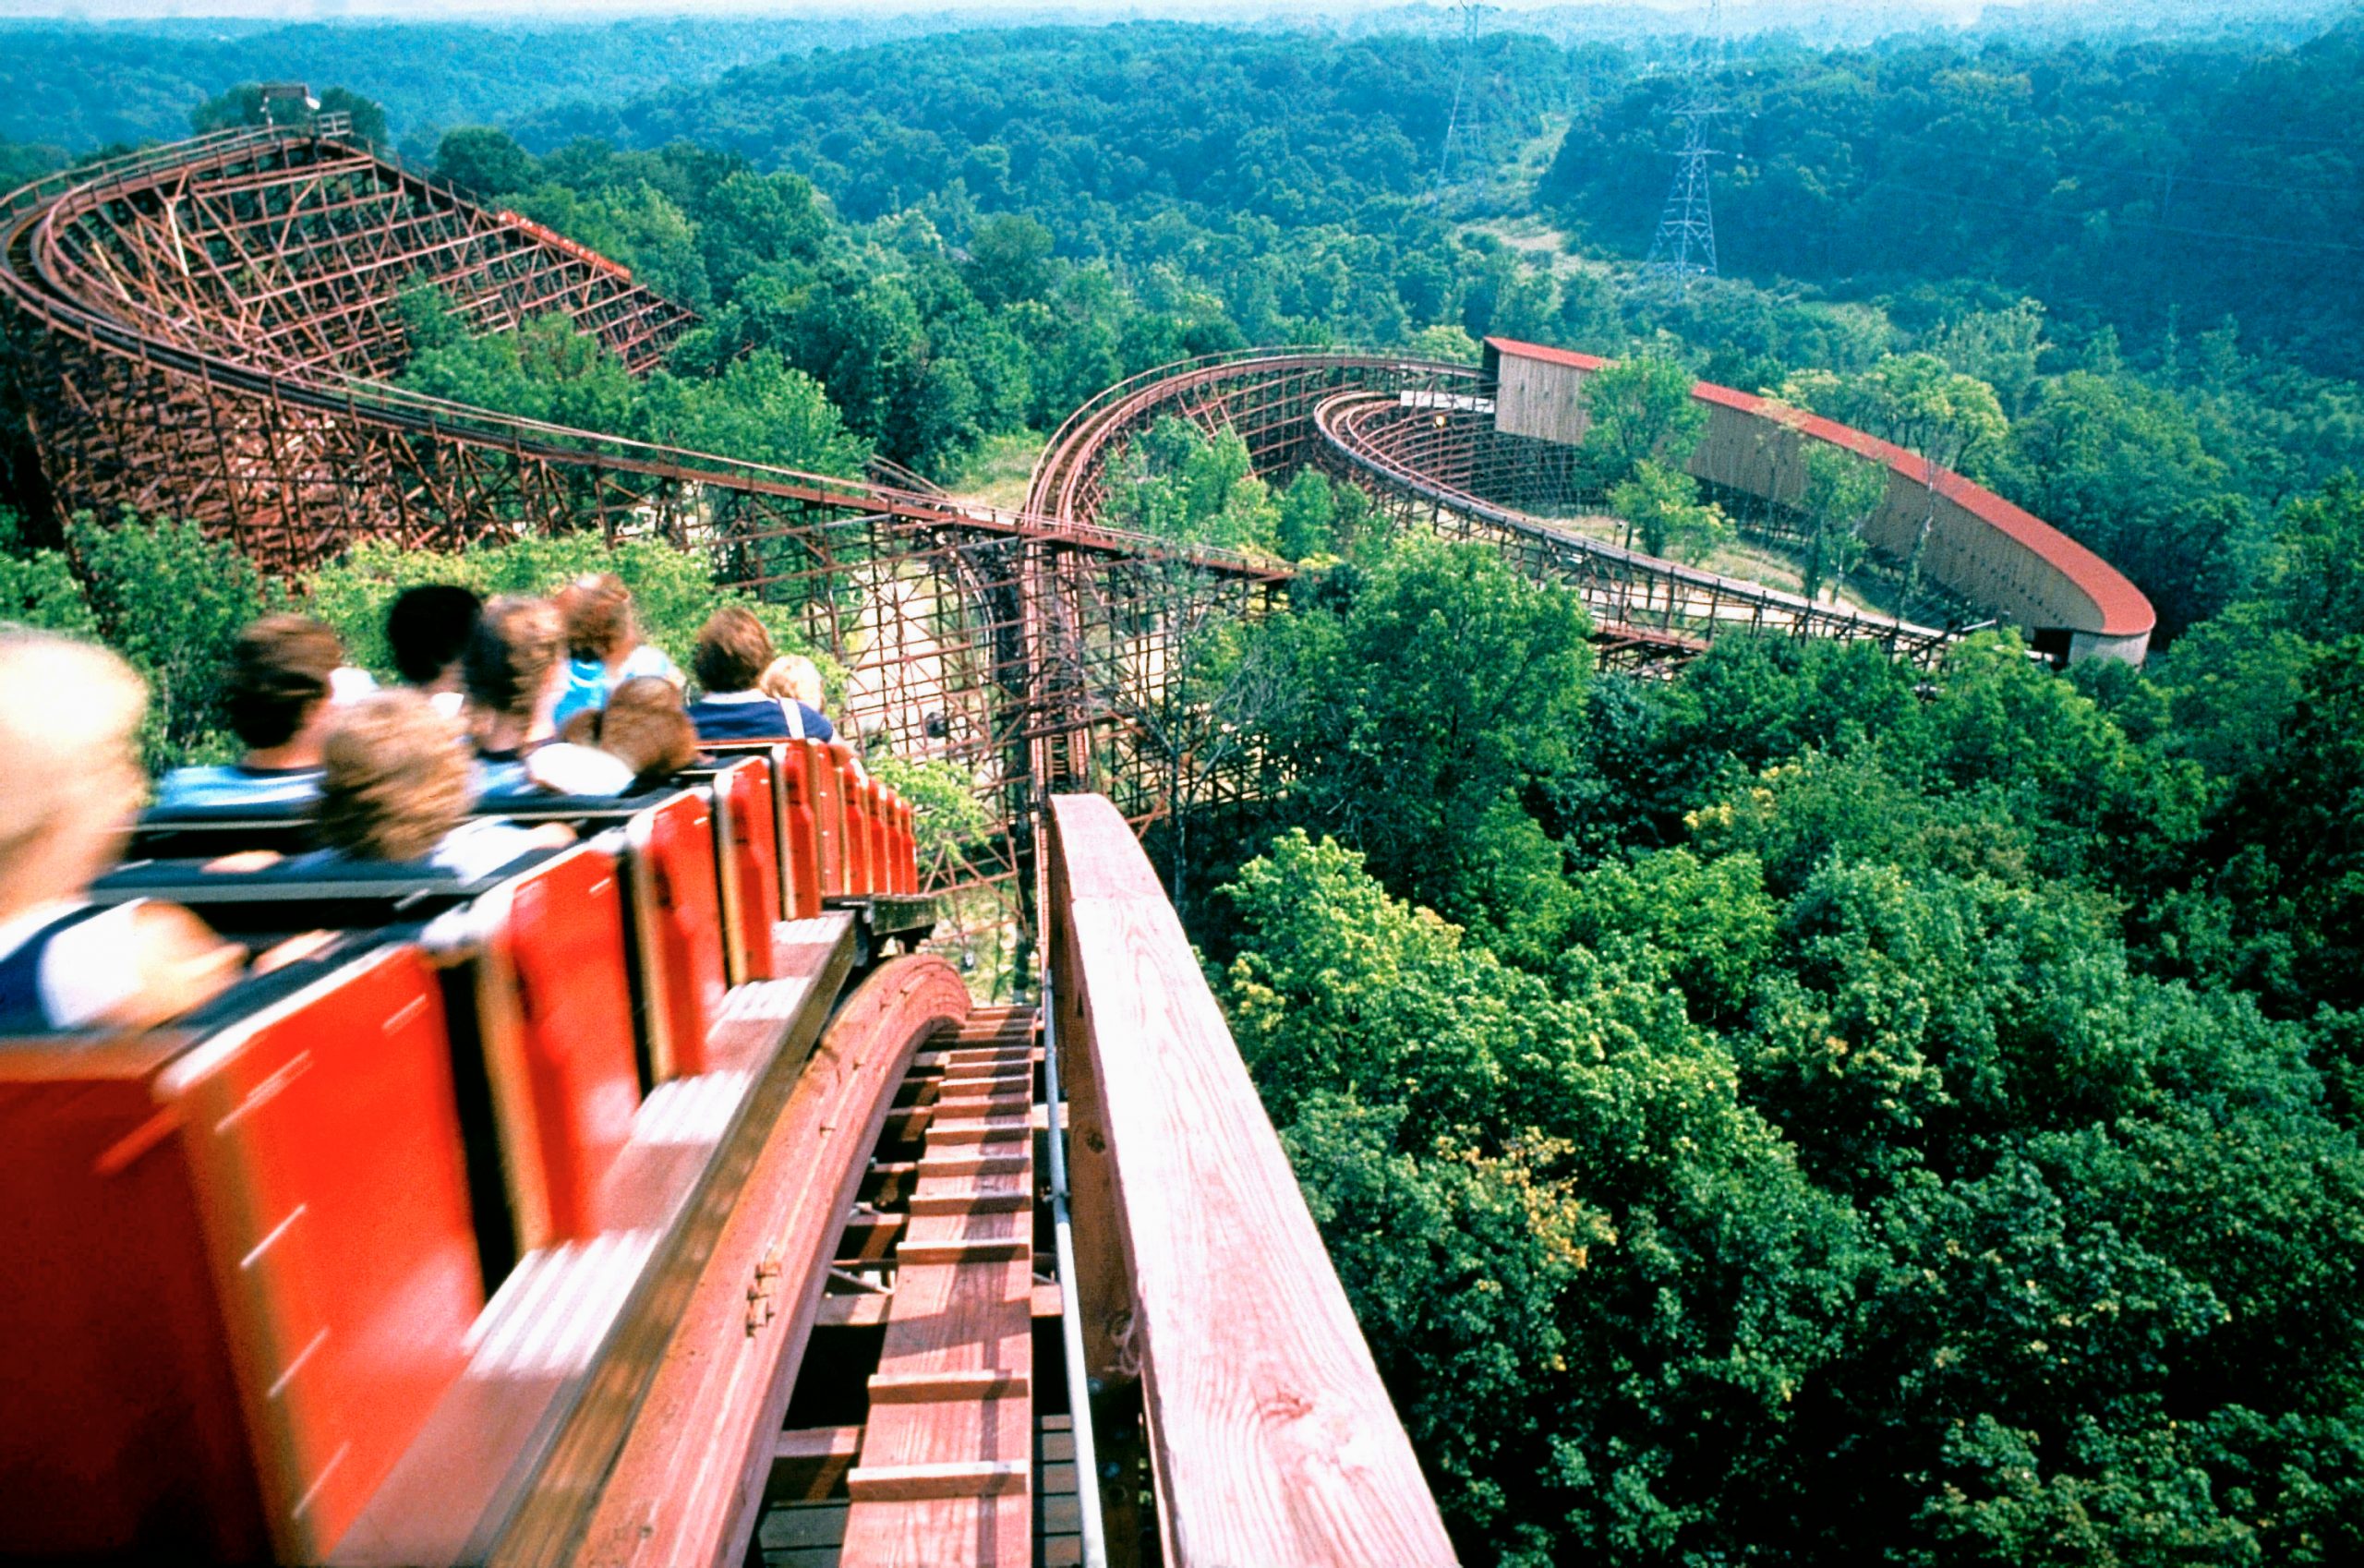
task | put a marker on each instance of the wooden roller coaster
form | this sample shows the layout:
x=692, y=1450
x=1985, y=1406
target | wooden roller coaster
x=640, y=1204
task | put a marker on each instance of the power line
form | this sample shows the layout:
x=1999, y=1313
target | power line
x=1954, y=154
x=2228, y=235
x=1463, y=125
x=1684, y=245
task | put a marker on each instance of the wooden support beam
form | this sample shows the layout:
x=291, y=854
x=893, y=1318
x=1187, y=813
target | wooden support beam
x=810, y=1463
x=956, y=1382
x=971, y=1201
x=851, y=1311
x=919, y=1483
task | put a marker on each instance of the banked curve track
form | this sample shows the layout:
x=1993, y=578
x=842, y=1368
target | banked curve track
x=208, y=330
x=1416, y=434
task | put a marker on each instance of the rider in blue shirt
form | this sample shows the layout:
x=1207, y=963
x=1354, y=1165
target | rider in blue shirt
x=603, y=645
x=733, y=651
x=278, y=695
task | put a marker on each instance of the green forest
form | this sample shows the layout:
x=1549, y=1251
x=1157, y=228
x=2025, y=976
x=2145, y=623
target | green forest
x=1803, y=1109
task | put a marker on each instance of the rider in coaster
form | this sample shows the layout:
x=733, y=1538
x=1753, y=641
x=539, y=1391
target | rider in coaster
x=603, y=642
x=70, y=784
x=514, y=669
x=398, y=789
x=643, y=727
x=733, y=651
x=279, y=693
x=428, y=629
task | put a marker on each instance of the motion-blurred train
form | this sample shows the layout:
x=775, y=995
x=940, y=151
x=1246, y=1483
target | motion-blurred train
x=327, y=1271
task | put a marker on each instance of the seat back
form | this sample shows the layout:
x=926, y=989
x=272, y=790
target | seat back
x=325, y=1146
x=554, y=1016
x=747, y=865
x=800, y=831
x=829, y=815
x=205, y=831
x=677, y=921
x=119, y=1408
x=853, y=795
x=881, y=858
x=298, y=894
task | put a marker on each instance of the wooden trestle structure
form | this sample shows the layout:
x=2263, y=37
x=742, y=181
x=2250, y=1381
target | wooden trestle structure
x=1418, y=437
x=204, y=331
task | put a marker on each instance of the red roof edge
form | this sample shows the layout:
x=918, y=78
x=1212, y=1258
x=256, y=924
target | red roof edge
x=2125, y=611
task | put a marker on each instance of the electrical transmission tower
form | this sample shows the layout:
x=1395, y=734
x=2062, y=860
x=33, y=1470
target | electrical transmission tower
x=1464, y=126
x=1684, y=245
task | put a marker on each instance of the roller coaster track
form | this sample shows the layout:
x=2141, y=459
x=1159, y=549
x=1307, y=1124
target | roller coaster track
x=204, y=330
x=1416, y=435
x=208, y=331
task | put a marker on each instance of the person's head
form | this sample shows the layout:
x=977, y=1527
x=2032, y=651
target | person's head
x=280, y=683
x=70, y=780
x=397, y=779
x=644, y=727
x=515, y=662
x=597, y=611
x=429, y=627
x=795, y=677
x=733, y=650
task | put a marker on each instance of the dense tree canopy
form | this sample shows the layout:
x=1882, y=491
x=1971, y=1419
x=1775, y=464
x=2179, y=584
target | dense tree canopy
x=1821, y=1122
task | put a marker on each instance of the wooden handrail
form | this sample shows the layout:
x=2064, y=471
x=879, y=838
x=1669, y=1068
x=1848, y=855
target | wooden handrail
x=1199, y=1269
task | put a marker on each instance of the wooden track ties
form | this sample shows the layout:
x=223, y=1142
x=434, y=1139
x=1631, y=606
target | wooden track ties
x=946, y=1461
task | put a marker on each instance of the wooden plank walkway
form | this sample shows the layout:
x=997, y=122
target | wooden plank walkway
x=945, y=1473
x=806, y=1527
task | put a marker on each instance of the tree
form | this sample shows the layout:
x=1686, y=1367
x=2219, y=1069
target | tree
x=1179, y=484
x=1951, y=421
x=173, y=602
x=2121, y=466
x=1663, y=504
x=546, y=370
x=1999, y=347
x=1842, y=491
x=758, y=410
x=1569, y=1242
x=635, y=225
x=367, y=118
x=1448, y=343
x=1308, y=516
x=1009, y=260
x=241, y=106
x=1446, y=684
x=245, y=105
x=752, y=221
x=485, y=160
x=38, y=588
x=1636, y=411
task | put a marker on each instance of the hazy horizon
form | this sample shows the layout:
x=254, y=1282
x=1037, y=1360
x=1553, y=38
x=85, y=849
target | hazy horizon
x=1738, y=13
